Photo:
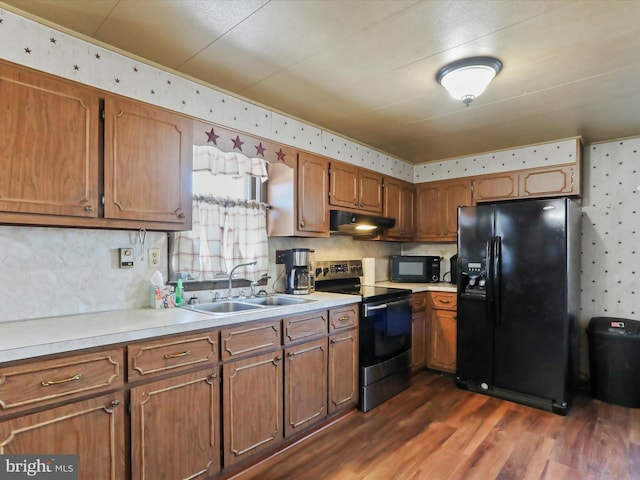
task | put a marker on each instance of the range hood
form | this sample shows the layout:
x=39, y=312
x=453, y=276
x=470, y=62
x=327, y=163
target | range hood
x=348, y=223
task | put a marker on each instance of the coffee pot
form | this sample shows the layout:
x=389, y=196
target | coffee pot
x=299, y=277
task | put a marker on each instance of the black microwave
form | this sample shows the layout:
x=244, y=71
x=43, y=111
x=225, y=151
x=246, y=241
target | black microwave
x=415, y=269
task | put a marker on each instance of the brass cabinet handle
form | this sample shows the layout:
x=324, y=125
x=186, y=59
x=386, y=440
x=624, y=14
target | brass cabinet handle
x=88, y=208
x=115, y=403
x=214, y=375
x=279, y=357
x=445, y=301
x=46, y=383
x=181, y=215
x=302, y=223
x=344, y=319
x=169, y=356
x=333, y=340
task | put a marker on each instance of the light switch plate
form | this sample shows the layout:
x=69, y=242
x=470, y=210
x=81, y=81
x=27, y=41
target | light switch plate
x=126, y=258
x=154, y=257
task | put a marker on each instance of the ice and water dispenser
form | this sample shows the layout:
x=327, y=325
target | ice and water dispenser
x=473, y=277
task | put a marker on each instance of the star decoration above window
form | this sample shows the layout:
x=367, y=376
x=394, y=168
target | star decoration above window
x=212, y=137
x=52, y=40
x=97, y=55
x=76, y=68
x=237, y=143
x=27, y=50
x=260, y=150
x=280, y=155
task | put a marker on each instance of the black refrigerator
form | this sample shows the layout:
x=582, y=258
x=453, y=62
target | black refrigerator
x=518, y=300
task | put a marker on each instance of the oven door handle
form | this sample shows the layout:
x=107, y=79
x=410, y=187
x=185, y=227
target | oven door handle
x=368, y=309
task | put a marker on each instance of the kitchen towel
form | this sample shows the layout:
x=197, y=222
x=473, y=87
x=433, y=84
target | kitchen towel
x=369, y=271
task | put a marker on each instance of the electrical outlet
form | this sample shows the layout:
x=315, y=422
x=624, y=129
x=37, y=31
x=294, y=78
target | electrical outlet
x=154, y=257
x=279, y=257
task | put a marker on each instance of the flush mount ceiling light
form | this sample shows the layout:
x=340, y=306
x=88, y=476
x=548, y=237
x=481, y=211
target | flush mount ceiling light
x=467, y=78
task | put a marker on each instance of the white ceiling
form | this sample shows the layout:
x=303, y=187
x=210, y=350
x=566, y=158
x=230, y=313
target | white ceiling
x=365, y=68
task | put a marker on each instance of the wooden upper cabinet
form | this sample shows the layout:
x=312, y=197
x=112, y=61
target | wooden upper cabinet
x=355, y=188
x=343, y=189
x=398, y=203
x=147, y=163
x=532, y=183
x=542, y=182
x=49, y=151
x=437, y=208
x=457, y=193
x=312, y=206
x=370, y=191
x=500, y=186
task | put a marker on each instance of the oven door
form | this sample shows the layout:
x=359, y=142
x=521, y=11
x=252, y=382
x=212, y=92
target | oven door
x=385, y=331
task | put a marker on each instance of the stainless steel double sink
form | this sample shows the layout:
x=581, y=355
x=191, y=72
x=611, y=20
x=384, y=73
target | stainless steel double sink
x=226, y=307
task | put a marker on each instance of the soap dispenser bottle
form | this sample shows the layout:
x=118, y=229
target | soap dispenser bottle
x=179, y=292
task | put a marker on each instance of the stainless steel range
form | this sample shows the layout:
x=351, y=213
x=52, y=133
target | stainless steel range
x=384, y=332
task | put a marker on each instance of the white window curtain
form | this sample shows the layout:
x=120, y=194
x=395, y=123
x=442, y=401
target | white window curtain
x=225, y=231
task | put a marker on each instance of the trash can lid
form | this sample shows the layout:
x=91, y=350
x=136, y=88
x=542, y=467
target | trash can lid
x=614, y=325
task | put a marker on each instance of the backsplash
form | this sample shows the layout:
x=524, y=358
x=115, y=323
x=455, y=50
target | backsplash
x=63, y=271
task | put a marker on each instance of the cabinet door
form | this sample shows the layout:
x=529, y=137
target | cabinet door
x=442, y=341
x=252, y=405
x=305, y=385
x=427, y=212
x=455, y=194
x=562, y=180
x=49, y=147
x=418, y=350
x=343, y=370
x=391, y=206
x=147, y=164
x=175, y=427
x=419, y=302
x=93, y=429
x=370, y=191
x=501, y=186
x=313, y=188
x=407, y=211
x=343, y=185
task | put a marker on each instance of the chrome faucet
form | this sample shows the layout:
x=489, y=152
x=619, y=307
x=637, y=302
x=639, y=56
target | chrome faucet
x=234, y=269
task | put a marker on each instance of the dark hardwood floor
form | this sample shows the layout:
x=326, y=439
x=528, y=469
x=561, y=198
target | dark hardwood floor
x=435, y=431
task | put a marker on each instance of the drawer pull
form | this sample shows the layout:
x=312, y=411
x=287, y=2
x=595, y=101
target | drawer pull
x=445, y=301
x=115, y=403
x=169, y=356
x=46, y=383
x=344, y=319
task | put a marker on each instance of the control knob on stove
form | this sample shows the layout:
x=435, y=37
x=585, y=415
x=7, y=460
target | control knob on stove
x=318, y=271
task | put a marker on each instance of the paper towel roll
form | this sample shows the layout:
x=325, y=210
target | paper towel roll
x=369, y=271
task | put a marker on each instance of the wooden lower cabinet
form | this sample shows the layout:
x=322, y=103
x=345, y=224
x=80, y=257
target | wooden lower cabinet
x=252, y=405
x=93, y=429
x=305, y=385
x=419, y=303
x=442, y=332
x=175, y=427
x=343, y=370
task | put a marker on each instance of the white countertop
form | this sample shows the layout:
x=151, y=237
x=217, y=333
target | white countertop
x=45, y=336
x=421, y=287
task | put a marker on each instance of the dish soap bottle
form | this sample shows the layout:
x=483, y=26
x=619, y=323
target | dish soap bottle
x=179, y=292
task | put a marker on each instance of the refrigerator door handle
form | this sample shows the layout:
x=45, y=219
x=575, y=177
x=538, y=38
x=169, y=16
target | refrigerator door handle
x=489, y=279
x=496, y=267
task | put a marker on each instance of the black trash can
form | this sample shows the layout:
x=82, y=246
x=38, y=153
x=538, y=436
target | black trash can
x=614, y=360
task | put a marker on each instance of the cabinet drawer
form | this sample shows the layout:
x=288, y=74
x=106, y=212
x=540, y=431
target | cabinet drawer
x=169, y=354
x=444, y=300
x=46, y=381
x=304, y=327
x=250, y=339
x=345, y=317
x=419, y=301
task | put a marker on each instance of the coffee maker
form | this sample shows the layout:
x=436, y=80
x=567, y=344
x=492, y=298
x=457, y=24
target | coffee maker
x=297, y=263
